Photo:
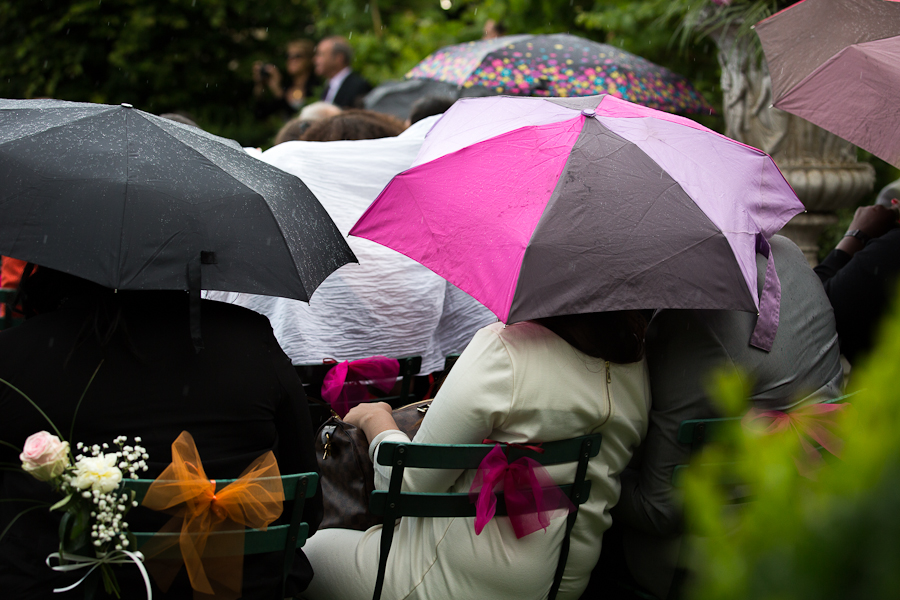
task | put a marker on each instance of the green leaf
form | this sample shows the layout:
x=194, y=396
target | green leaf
x=62, y=502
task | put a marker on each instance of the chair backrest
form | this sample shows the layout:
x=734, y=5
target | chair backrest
x=277, y=538
x=312, y=376
x=395, y=503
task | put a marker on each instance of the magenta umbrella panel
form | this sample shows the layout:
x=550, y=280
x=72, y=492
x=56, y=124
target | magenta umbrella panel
x=836, y=63
x=560, y=65
x=552, y=206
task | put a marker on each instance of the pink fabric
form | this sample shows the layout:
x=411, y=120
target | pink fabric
x=854, y=95
x=816, y=421
x=345, y=385
x=532, y=497
x=500, y=187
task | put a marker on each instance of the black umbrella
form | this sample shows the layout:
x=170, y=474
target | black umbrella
x=133, y=201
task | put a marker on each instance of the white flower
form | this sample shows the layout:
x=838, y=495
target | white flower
x=99, y=473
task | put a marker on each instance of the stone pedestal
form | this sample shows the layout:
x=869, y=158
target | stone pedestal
x=821, y=167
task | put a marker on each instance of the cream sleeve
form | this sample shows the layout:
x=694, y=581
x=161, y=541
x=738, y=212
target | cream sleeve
x=474, y=401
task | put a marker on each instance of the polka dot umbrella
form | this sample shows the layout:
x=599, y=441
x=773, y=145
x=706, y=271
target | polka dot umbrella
x=559, y=65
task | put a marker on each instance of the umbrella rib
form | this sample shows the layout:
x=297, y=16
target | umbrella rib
x=124, y=203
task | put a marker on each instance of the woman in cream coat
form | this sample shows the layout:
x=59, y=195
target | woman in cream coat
x=518, y=383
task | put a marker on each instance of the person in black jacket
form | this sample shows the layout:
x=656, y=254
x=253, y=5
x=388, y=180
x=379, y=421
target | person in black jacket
x=343, y=87
x=860, y=277
x=239, y=398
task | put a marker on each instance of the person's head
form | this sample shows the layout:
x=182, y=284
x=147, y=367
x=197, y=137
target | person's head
x=291, y=131
x=299, y=57
x=180, y=118
x=333, y=54
x=493, y=29
x=428, y=106
x=318, y=111
x=43, y=289
x=616, y=336
x=888, y=193
x=354, y=124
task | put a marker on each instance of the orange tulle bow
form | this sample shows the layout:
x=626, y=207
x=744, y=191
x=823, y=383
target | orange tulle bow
x=214, y=564
x=812, y=421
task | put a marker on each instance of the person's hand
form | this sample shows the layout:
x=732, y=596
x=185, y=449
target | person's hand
x=873, y=221
x=257, y=72
x=273, y=79
x=372, y=418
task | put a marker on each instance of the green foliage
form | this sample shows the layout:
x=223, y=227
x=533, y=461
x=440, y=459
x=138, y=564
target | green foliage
x=831, y=537
x=189, y=55
x=650, y=29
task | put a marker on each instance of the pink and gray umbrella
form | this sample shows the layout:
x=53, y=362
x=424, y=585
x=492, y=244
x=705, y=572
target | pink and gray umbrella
x=551, y=206
x=836, y=63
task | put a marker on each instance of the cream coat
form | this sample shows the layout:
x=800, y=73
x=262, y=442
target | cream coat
x=517, y=383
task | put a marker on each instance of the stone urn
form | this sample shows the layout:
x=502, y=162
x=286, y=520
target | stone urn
x=821, y=167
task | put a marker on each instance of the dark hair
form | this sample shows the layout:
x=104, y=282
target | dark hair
x=427, y=106
x=354, y=124
x=180, y=118
x=616, y=336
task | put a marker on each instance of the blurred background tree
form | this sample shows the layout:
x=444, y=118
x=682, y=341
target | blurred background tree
x=172, y=55
x=196, y=55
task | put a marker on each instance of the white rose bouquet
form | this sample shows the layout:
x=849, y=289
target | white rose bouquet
x=93, y=533
x=93, y=524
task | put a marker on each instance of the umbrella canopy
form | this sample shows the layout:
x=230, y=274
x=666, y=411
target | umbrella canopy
x=560, y=65
x=540, y=207
x=136, y=202
x=397, y=97
x=836, y=63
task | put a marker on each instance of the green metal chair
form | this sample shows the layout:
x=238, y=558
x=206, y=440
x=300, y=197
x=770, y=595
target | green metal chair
x=277, y=538
x=312, y=376
x=394, y=503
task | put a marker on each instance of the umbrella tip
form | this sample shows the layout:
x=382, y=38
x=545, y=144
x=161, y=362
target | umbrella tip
x=588, y=112
x=126, y=105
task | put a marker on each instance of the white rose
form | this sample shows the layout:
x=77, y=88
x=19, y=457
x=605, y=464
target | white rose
x=97, y=472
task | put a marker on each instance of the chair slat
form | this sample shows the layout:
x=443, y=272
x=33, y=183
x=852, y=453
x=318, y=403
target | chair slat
x=288, y=482
x=256, y=541
x=452, y=505
x=469, y=456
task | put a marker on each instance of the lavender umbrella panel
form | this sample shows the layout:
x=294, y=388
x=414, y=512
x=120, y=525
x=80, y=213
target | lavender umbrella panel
x=541, y=207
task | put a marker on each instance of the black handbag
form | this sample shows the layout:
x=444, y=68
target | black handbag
x=346, y=475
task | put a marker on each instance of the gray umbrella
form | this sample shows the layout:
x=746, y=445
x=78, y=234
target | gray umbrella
x=397, y=97
x=133, y=201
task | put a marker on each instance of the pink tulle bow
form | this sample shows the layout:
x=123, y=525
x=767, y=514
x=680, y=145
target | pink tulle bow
x=532, y=497
x=345, y=385
x=815, y=421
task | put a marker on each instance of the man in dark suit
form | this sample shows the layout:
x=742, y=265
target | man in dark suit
x=343, y=87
